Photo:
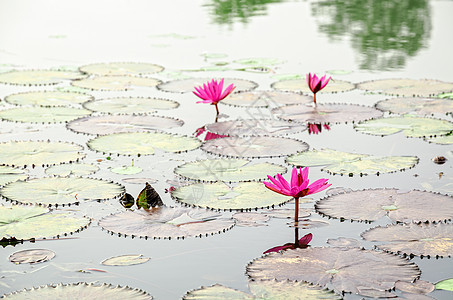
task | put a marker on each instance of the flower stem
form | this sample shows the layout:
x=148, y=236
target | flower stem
x=314, y=97
x=296, y=212
x=217, y=108
x=296, y=235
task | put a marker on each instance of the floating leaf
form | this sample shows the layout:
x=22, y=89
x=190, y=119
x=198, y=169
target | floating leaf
x=446, y=284
x=38, y=114
x=38, y=77
x=142, y=143
x=23, y=153
x=48, y=98
x=416, y=239
x=371, y=205
x=260, y=61
x=245, y=195
x=31, y=256
x=148, y=198
x=166, y=222
x=344, y=242
x=288, y=213
x=441, y=140
x=60, y=190
x=445, y=96
x=115, y=83
x=266, y=99
x=250, y=219
x=419, y=106
x=102, y=125
x=255, y=127
x=300, y=86
x=139, y=180
x=410, y=126
x=72, y=169
x=254, y=146
x=326, y=113
x=228, y=170
x=121, y=68
x=217, y=292
x=130, y=105
x=9, y=174
x=126, y=170
x=126, y=260
x=337, y=162
x=187, y=85
x=417, y=287
x=407, y=87
x=343, y=270
x=308, y=223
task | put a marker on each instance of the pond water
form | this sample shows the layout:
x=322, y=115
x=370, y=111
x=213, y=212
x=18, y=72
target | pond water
x=352, y=41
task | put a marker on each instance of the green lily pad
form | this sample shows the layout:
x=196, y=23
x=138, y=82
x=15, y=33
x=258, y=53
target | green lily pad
x=142, y=143
x=23, y=153
x=126, y=260
x=217, y=292
x=441, y=140
x=260, y=61
x=72, y=169
x=407, y=87
x=9, y=174
x=33, y=222
x=244, y=195
x=115, y=83
x=266, y=99
x=255, y=127
x=38, y=114
x=48, y=98
x=445, y=96
x=121, y=68
x=38, y=77
x=409, y=125
x=187, y=85
x=60, y=190
x=130, y=105
x=419, y=106
x=337, y=162
x=228, y=170
x=31, y=256
x=446, y=284
x=301, y=86
x=126, y=170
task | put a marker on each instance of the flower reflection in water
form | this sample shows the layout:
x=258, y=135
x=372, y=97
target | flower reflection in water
x=298, y=243
x=316, y=128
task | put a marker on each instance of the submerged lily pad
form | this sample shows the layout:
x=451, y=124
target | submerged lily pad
x=130, y=105
x=340, y=269
x=409, y=125
x=38, y=77
x=9, y=174
x=371, y=205
x=441, y=140
x=142, y=143
x=266, y=99
x=121, y=68
x=337, y=162
x=38, y=114
x=126, y=260
x=126, y=170
x=245, y=195
x=407, y=87
x=228, y=170
x=418, y=287
x=33, y=222
x=301, y=86
x=60, y=190
x=72, y=169
x=80, y=290
x=419, y=106
x=344, y=242
x=31, y=256
x=255, y=127
x=326, y=113
x=102, y=125
x=115, y=83
x=254, y=146
x=415, y=239
x=23, y=153
x=187, y=85
x=167, y=222
x=48, y=98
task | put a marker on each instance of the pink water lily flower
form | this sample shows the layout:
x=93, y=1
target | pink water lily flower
x=316, y=84
x=212, y=92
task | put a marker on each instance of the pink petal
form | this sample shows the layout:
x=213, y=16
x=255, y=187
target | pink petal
x=283, y=182
x=294, y=179
x=305, y=239
x=274, y=188
x=275, y=182
x=279, y=248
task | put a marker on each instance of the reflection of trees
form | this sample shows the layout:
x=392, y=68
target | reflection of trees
x=229, y=11
x=384, y=32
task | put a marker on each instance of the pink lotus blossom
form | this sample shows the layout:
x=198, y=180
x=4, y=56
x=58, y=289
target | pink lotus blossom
x=302, y=243
x=212, y=92
x=316, y=84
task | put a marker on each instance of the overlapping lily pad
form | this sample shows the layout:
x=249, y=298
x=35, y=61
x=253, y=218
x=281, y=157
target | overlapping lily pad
x=419, y=106
x=72, y=169
x=33, y=222
x=228, y=170
x=243, y=196
x=409, y=125
x=31, y=256
x=301, y=86
x=38, y=77
x=254, y=146
x=60, y=190
x=130, y=105
x=29, y=153
x=266, y=99
x=48, y=98
x=142, y=143
x=340, y=269
x=121, y=68
x=115, y=83
x=167, y=222
x=38, y=114
x=371, y=205
x=407, y=87
x=9, y=174
x=326, y=113
x=430, y=240
x=255, y=127
x=187, y=85
x=345, y=163
x=102, y=125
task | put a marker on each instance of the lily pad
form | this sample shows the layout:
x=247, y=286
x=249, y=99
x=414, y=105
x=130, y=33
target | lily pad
x=250, y=219
x=115, y=83
x=9, y=174
x=60, y=190
x=187, y=85
x=419, y=106
x=371, y=205
x=326, y=113
x=407, y=87
x=38, y=77
x=142, y=143
x=121, y=68
x=31, y=256
x=38, y=114
x=102, y=125
x=23, y=153
x=33, y=222
x=337, y=162
x=301, y=86
x=80, y=290
x=266, y=99
x=254, y=146
x=255, y=127
x=441, y=140
x=416, y=239
x=217, y=292
x=130, y=105
x=308, y=223
x=228, y=170
x=167, y=222
x=288, y=213
x=340, y=269
x=245, y=195
x=417, y=287
x=344, y=242
x=260, y=61
x=446, y=284
x=72, y=169
x=126, y=170
x=48, y=98
x=409, y=125
x=126, y=260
